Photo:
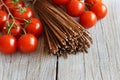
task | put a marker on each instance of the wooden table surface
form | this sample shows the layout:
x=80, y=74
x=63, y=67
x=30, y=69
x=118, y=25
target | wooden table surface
x=101, y=63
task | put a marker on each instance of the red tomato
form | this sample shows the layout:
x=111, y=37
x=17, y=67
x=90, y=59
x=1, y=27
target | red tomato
x=100, y=10
x=60, y=2
x=75, y=8
x=88, y=19
x=35, y=27
x=3, y=18
x=13, y=5
x=1, y=7
x=8, y=44
x=27, y=43
x=92, y=1
x=23, y=14
x=15, y=30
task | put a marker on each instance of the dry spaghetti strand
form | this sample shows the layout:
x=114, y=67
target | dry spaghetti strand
x=64, y=35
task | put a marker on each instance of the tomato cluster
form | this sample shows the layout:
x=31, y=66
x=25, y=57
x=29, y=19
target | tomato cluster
x=19, y=28
x=88, y=11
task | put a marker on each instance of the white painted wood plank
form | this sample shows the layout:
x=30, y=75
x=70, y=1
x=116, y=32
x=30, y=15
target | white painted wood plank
x=36, y=66
x=103, y=60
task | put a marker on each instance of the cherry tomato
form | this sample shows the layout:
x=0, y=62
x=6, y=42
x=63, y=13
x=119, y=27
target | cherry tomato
x=13, y=5
x=1, y=7
x=27, y=43
x=100, y=10
x=88, y=19
x=92, y=2
x=15, y=30
x=8, y=44
x=60, y=2
x=3, y=18
x=35, y=27
x=75, y=8
x=23, y=14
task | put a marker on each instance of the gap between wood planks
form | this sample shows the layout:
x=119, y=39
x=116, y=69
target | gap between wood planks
x=57, y=68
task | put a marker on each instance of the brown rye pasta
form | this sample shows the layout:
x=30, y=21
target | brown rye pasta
x=64, y=35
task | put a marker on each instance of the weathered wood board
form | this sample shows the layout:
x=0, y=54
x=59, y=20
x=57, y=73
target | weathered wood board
x=101, y=63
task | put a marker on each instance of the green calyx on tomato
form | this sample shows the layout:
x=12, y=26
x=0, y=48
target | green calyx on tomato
x=13, y=27
x=16, y=1
x=23, y=14
x=28, y=21
x=10, y=25
x=22, y=10
x=19, y=28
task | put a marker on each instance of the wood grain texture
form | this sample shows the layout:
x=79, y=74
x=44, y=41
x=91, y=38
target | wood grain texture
x=103, y=60
x=36, y=66
x=101, y=63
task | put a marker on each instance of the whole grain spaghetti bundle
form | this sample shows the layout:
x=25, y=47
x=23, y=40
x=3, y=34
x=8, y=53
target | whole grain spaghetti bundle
x=63, y=34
